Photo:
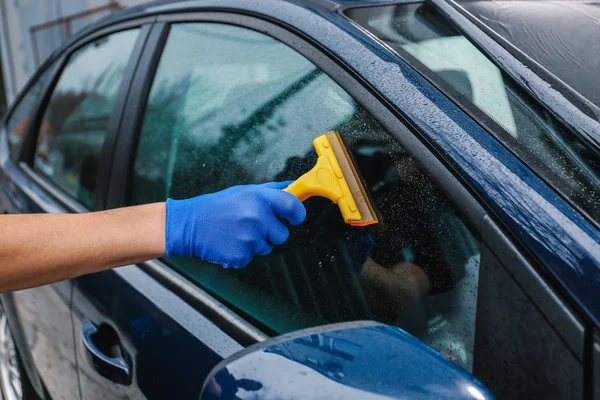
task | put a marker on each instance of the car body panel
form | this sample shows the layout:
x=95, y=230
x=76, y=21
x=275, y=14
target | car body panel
x=329, y=362
x=45, y=315
x=172, y=347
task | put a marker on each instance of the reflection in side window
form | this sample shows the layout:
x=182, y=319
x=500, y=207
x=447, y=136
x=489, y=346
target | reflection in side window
x=440, y=52
x=231, y=106
x=18, y=122
x=76, y=120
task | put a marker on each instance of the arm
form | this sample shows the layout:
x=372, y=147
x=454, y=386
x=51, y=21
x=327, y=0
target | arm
x=395, y=289
x=44, y=248
x=227, y=228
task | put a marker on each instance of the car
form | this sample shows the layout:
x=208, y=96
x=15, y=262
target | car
x=482, y=165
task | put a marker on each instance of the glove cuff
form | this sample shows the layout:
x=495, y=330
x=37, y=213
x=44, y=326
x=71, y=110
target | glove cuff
x=175, y=228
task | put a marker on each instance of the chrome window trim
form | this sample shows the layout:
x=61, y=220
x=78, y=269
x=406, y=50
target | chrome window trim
x=202, y=301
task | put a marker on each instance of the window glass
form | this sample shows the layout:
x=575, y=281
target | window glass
x=19, y=120
x=231, y=106
x=76, y=120
x=442, y=54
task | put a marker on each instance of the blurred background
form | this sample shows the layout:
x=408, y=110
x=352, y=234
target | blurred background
x=30, y=30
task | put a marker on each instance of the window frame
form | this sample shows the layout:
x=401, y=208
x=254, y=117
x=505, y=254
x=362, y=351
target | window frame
x=460, y=194
x=27, y=149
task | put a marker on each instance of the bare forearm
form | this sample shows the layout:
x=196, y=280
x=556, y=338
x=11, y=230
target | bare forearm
x=399, y=286
x=45, y=248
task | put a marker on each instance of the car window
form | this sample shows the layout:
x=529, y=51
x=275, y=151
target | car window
x=74, y=124
x=231, y=106
x=446, y=57
x=18, y=122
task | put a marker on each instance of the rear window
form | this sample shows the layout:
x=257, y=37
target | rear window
x=18, y=122
x=438, y=51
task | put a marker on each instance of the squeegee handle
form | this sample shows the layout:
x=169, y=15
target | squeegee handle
x=298, y=189
x=319, y=181
x=326, y=179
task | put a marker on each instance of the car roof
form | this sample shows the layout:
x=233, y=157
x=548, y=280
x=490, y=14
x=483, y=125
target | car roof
x=170, y=6
x=179, y=5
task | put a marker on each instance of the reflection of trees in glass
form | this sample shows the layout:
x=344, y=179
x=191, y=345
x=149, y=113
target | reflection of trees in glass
x=73, y=130
x=162, y=112
x=249, y=131
x=225, y=167
x=171, y=150
x=69, y=109
x=76, y=121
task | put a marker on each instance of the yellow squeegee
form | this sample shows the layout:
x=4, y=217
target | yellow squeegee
x=334, y=177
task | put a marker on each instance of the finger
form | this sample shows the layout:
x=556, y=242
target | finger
x=265, y=250
x=277, y=232
x=242, y=263
x=277, y=185
x=287, y=206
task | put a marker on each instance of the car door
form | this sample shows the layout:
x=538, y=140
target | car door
x=59, y=160
x=216, y=103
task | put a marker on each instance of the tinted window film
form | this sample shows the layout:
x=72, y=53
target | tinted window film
x=18, y=122
x=230, y=106
x=442, y=54
x=74, y=124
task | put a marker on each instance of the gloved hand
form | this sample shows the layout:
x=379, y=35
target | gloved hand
x=232, y=226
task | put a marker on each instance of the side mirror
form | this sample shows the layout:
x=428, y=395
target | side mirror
x=354, y=360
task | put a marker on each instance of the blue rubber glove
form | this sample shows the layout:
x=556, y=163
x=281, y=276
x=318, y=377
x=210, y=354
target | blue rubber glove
x=232, y=226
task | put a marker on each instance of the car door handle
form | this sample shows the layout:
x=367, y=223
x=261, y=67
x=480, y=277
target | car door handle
x=103, y=350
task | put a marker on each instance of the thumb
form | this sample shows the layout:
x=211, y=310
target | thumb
x=287, y=206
